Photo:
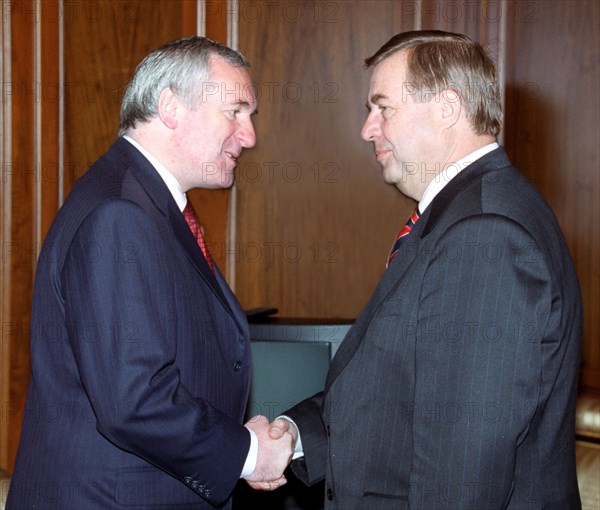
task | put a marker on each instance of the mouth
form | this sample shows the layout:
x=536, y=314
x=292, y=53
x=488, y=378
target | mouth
x=232, y=156
x=381, y=153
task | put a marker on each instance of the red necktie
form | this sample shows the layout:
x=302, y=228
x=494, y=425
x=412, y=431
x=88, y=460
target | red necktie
x=192, y=221
x=404, y=231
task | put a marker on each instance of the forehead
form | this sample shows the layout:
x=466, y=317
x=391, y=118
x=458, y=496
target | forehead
x=389, y=76
x=231, y=83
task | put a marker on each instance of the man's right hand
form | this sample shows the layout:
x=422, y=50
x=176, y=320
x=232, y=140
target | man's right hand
x=275, y=449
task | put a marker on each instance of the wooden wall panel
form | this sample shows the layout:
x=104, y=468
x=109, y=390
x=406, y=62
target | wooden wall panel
x=48, y=171
x=552, y=133
x=29, y=197
x=21, y=97
x=315, y=219
x=5, y=154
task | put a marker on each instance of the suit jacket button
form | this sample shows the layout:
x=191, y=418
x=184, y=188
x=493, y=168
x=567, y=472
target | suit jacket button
x=237, y=366
x=329, y=494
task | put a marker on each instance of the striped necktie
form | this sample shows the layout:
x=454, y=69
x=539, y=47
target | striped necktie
x=404, y=231
x=192, y=221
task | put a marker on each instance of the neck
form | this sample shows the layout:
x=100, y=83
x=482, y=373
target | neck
x=466, y=146
x=453, y=153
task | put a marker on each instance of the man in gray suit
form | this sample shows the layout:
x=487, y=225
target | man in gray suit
x=456, y=386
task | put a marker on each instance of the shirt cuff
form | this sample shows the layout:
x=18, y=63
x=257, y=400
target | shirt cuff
x=298, y=450
x=252, y=457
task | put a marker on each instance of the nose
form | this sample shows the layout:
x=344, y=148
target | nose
x=246, y=134
x=371, y=128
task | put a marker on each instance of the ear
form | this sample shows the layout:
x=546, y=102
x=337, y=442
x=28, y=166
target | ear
x=450, y=106
x=168, y=105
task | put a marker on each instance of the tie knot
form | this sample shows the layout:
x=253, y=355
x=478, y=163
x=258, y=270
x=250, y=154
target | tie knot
x=189, y=212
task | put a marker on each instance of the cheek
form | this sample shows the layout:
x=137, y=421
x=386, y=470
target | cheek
x=227, y=135
x=395, y=135
x=201, y=143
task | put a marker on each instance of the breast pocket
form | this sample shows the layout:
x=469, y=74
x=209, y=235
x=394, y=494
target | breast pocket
x=392, y=327
x=390, y=308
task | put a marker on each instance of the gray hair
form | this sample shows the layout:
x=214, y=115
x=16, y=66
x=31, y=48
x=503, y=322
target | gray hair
x=437, y=60
x=183, y=66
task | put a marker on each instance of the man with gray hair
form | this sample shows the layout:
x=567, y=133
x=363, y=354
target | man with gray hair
x=456, y=386
x=140, y=352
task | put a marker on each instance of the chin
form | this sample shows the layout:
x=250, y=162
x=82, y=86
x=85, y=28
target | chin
x=228, y=179
x=388, y=178
x=223, y=184
x=217, y=183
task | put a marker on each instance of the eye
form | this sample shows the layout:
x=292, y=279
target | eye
x=385, y=111
x=233, y=114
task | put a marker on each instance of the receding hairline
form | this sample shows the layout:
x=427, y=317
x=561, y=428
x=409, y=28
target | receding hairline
x=405, y=42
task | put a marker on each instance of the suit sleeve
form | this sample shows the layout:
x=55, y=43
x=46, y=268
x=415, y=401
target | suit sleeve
x=122, y=321
x=310, y=469
x=483, y=308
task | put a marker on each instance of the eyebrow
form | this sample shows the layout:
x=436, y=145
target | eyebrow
x=375, y=98
x=244, y=104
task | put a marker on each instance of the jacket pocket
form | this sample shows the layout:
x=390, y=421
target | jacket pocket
x=380, y=501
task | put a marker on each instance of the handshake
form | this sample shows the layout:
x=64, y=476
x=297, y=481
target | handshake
x=276, y=443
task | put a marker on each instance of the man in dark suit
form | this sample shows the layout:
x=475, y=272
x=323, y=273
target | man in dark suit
x=140, y=352
x=456, y=386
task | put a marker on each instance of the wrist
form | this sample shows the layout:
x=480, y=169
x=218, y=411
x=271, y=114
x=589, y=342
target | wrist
x=252, y=457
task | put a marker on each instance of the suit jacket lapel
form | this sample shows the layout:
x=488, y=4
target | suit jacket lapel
x=215, y=280
x=388, y=283
x=154, y=187
x=233, y=302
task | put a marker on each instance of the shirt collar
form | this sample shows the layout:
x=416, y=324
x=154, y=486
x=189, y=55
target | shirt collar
x=168, y=178
x=451, y=171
